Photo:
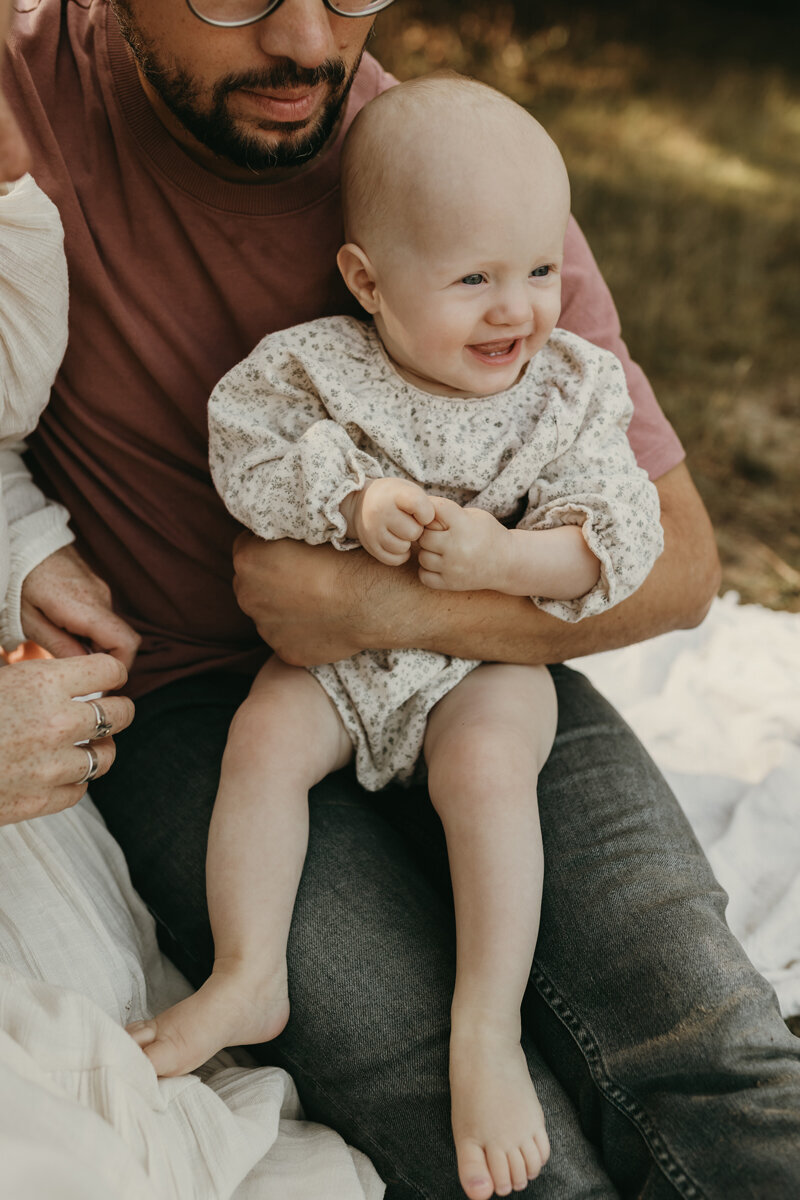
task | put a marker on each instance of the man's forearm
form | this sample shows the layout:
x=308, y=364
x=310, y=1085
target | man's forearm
x=15, y=157
x=315, y=604
x=676, y=594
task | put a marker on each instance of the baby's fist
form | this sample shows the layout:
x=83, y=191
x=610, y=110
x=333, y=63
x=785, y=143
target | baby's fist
x=464, y=549
x=386, y=516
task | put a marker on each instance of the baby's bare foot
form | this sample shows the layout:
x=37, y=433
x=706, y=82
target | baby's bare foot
x=234, y=1007
x=498, y=1125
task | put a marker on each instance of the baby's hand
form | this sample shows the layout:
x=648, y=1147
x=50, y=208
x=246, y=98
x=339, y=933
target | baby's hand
x=463, y=549
x=386, y=516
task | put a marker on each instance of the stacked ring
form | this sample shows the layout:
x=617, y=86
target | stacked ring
x=103, y=726
x=92, y=766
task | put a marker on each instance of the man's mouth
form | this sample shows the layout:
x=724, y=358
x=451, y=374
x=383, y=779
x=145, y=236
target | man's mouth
x=497, y=353
x=284, y=104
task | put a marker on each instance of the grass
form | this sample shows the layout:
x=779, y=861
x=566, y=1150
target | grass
x=681, y=131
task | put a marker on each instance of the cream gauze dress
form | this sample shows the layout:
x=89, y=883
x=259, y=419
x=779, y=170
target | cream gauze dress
x=317, y=410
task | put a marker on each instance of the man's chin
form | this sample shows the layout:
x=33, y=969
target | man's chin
x=259, y=143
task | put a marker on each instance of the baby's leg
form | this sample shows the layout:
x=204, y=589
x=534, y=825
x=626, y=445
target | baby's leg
x=285, y=738
x=485, y=745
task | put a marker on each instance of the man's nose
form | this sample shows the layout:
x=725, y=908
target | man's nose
x=300, y=30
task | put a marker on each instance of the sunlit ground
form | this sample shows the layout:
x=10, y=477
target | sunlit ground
x=683, y=145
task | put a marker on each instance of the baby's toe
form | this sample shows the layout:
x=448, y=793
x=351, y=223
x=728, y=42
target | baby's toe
x=473, y=1171
x=534, y=1161
x=518, y=1170
x=498, y=1166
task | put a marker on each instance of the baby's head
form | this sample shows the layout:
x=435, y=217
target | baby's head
x=456, y=203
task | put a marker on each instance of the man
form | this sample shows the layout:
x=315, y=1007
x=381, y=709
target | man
x=195, y=167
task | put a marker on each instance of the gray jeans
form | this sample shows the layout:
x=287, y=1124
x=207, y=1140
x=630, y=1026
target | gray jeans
x=658, y=1052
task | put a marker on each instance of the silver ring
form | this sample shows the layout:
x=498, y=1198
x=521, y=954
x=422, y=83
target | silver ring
x=103, y=726
x=93, y=764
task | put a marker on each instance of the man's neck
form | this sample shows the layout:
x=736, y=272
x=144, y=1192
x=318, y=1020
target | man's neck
x=223, y=168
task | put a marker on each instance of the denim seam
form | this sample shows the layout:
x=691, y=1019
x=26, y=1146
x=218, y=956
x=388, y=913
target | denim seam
x=618, y=1096
x=366, y=1136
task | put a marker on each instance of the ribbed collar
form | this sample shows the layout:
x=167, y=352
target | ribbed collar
x=246, y=199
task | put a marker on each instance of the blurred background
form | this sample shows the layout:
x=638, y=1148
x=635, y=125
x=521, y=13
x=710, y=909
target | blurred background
x=680, y=126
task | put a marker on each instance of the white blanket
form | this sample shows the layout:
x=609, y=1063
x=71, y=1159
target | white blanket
x=82, y=1115
x=718, y=708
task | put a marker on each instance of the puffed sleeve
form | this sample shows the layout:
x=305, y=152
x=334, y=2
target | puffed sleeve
x=280, y=463
x=36, y=529
x=33, y=337
x=594, y=482
x=33, y=305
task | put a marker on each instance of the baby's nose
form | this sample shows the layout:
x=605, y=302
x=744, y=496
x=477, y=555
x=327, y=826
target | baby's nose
x=512, y=307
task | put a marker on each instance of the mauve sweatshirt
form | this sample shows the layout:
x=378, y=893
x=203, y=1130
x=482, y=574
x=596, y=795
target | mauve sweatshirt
x=175, y=275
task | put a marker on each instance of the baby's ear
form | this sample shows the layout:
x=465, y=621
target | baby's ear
x=358, y=274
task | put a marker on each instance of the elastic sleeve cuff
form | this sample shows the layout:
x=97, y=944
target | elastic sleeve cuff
x=33, y=539
x=359, y=469
x=605, y=592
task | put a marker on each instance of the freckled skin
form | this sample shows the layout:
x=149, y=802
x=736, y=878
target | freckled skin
x=39, y=762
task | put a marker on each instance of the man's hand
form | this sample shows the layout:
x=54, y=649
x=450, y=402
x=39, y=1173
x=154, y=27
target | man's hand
x=65, y=605
x=15, y=157
x=313, y=604
x=463, y=549
x=40, y=723
x=386, y=516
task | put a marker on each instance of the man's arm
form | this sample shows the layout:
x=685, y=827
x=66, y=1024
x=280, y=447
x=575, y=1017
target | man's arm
x=314, y=604
x=15, y=157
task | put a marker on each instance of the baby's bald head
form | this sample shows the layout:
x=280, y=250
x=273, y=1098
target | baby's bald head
x=428, y=155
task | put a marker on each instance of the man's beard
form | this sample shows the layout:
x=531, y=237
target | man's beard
x=215, y=128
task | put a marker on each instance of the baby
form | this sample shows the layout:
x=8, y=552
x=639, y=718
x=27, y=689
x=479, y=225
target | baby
x=460, y=427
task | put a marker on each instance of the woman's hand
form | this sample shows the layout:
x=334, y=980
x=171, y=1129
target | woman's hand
x=40, y=723
x=65, y=606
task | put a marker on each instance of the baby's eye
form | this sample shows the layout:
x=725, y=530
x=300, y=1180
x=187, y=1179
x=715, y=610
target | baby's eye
x=539, y=272
x=473, y=280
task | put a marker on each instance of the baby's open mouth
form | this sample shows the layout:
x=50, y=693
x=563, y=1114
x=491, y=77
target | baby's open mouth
x=498, y=351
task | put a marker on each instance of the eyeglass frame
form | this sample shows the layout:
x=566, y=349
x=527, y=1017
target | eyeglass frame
x=375, y=7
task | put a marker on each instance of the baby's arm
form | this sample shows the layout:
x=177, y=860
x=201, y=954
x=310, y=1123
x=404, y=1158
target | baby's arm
x=591, y=532
x=279, y=462
x=467, y=549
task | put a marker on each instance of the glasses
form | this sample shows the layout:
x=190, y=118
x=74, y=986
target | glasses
x=230, y=14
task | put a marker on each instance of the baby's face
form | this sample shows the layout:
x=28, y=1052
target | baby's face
x=474, y=294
